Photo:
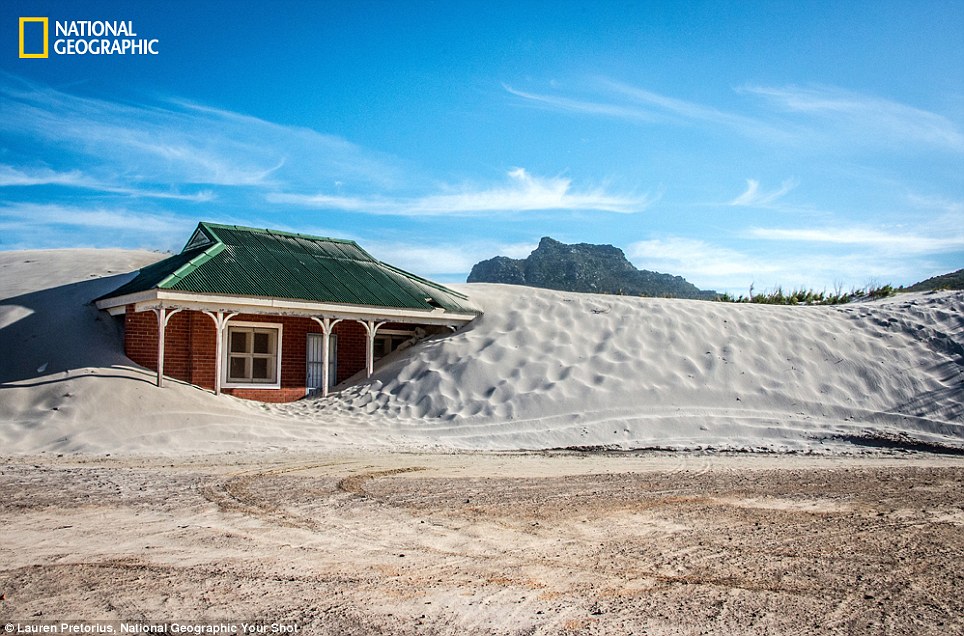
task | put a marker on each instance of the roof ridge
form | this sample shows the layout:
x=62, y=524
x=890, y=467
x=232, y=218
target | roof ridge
x=245, y=228
x=207, y=253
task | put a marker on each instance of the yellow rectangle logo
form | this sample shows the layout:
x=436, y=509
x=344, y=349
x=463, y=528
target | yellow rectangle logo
x=23, y=52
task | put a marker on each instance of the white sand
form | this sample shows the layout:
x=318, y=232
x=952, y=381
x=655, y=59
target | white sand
x=540, y=369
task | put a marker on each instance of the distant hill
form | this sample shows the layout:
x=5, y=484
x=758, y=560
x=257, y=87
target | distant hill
x=582, y=267
x=954, y=280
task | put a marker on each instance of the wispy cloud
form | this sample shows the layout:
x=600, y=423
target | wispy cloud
x=844, y=253
x=696, y=112
x=623, y=101
x=523, y=193
x=753, y=196
x=54, y=225
x=871, y=117
x=785, y=114
x=573, y=105
x=712, y=266
x=13, y=177
x=10, y=176
x=942, y=205
x=173, y=144
x=699, y=259
x=180, y=150
x=895, y=241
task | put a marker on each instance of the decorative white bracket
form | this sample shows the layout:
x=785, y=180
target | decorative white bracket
x=327, y=325
x=371, y=327
x=162, y=317
x=220, y=319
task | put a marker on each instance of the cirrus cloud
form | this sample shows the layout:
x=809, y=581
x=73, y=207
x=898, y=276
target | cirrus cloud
x=753, y=196
x=524, y=192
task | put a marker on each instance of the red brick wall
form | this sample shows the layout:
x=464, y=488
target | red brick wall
x=189, y=350
x=202, y=336
x=140, y=337
x=140, y=342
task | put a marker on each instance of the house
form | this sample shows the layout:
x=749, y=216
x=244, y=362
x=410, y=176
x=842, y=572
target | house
x=273, y=316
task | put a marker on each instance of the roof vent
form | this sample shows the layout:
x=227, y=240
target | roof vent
x=198, y=239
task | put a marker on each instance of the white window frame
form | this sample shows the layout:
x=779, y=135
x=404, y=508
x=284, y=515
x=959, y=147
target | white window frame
x=388, y=333
x=226, y=362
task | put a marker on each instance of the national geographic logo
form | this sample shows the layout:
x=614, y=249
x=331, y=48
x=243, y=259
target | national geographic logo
x=33, y=37
x=82, y=37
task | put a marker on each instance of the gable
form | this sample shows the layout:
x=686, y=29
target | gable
x=198, y=239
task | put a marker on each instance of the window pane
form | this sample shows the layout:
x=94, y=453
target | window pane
x=260, y=369
x=262, y=342
x=238, y=368
x=239, y=341
x=251, y=355
x=381, y=345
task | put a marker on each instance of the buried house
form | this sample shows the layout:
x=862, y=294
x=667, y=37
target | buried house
x=274, y=316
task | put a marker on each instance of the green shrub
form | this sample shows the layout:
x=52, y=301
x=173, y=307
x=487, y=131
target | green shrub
x=808, y=296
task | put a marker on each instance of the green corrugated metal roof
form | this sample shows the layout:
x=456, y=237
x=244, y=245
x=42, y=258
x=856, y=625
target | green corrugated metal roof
x=243, y=261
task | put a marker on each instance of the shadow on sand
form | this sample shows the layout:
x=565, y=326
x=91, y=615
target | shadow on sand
x=56, y=330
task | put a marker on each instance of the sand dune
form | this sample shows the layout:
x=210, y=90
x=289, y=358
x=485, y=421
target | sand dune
x=550, y=369
x=541, y=369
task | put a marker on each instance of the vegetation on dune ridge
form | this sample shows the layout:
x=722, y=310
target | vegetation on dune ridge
x=952, y=280
x=809, y=296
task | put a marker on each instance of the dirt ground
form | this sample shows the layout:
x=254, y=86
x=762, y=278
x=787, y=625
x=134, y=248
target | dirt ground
x=489, y=543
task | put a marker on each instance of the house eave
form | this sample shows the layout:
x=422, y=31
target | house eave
x=155, y=298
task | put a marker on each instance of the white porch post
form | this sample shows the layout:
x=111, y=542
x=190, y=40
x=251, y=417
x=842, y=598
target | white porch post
x=327, y=324
x=371, y=327
x=162, y=318
x=220, y=322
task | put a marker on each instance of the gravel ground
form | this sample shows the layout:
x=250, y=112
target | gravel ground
x=488, y=543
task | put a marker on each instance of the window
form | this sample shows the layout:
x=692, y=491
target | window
x=390, y=340
x=253, y=352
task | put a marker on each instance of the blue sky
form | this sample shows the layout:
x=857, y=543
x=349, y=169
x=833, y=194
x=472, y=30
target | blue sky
x=732, y=143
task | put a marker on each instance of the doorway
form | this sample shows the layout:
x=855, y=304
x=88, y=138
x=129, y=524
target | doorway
x=314, y=362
